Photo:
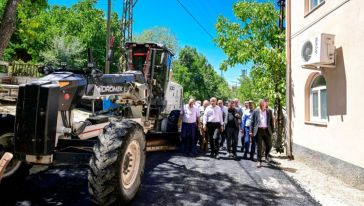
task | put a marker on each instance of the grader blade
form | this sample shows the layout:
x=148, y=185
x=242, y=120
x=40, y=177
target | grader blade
x=162, y=141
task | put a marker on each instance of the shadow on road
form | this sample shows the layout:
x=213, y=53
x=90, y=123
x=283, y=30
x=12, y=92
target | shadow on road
x=168, y=183
x=61, y=185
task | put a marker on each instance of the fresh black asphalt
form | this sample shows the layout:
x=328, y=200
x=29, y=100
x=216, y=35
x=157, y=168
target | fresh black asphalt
x=170, y=178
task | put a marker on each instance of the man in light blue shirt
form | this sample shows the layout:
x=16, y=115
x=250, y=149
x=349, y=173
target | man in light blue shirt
x=245, y=127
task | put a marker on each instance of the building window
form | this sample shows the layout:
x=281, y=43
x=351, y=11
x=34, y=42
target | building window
x=315, y=3
x=318, y=99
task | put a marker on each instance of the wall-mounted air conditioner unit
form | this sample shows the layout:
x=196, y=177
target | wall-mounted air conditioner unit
x=319, y=51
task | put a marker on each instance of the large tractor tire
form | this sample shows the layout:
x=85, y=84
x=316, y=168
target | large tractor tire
x=16, y=171
x=117, y=164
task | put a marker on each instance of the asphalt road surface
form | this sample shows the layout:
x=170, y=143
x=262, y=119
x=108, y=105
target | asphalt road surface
x=170, y=179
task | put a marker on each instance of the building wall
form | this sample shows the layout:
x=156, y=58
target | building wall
x=342, y=136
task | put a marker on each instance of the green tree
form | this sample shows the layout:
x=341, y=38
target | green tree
x=246, y=89
x=198, y=78
x=37, y=28
x=65, y=49
x=25, y=9
x=158, y=35
x=8, y=23
x=256, y=37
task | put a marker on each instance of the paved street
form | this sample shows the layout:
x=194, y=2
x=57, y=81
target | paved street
x=171, y=179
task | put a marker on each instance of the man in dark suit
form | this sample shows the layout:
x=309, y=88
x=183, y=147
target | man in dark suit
x=232, y=129
x=262, y=127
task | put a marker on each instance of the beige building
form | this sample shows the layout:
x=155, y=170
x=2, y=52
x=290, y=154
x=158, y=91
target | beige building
x=327, y=71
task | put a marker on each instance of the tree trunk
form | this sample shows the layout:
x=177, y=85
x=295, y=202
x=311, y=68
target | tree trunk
x=279, y=133
x=8, y=24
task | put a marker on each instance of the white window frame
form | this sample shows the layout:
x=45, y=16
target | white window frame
x=311, y=8
x=318, y=90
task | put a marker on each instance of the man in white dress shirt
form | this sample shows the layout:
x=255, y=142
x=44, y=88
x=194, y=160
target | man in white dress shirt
x=190, y=115
x=213, y=123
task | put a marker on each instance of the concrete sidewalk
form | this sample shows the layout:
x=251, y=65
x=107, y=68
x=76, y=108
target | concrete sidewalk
x=327, y=190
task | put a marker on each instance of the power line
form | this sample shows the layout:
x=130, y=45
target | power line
x=195, y=19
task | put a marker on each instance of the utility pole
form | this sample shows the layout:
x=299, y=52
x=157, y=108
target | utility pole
x=107, y=59
x=126, y=27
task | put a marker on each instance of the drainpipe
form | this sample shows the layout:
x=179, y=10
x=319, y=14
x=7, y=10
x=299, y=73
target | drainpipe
x=289, y=152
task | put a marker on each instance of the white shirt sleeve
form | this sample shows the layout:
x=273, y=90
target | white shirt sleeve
x=197, y=113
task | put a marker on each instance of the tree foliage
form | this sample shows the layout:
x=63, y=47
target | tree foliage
x=158, y=35
x=25, y=9
x=38, y=26
x=2, y=7
x=257, y=38
x=65, y=49
x=246, y=90
x=197, y=76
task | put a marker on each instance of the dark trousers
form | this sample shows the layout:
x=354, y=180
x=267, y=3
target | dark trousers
x=231, y=134
x=263, y=135
x=247, y=142
x=197, y=135
x=188, y=134
x=213, y=130
x=223, y=137
x=242, y=139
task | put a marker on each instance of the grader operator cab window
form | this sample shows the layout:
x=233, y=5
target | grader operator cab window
x=161, y=70
x=137, y=58
x=160, y=80
x=141, y=58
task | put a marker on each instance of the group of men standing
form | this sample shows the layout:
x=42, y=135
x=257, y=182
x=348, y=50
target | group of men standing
x=214, y=123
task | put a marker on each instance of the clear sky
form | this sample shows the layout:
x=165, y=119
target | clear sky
x=170, y=14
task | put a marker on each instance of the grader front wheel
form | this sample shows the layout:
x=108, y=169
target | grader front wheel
x=130, y=164
x=117, y=165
